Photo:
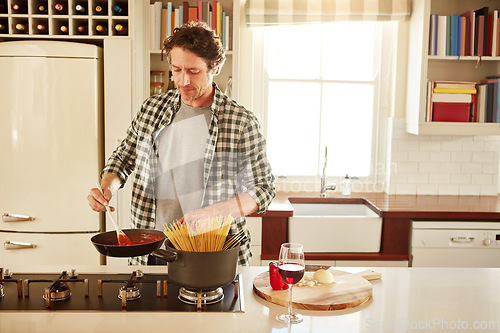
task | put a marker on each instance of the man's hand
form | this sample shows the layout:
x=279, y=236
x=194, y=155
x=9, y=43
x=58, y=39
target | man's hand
x=109, y=184
x=245, y=206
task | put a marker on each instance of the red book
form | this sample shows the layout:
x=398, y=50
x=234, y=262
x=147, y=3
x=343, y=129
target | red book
x=185, y=12
x=480, y=35
x=470, y=17
x=200, y=10
x=453, y=112
x=214, y=15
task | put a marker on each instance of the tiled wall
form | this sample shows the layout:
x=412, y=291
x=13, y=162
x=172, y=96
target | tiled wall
x=443, y=165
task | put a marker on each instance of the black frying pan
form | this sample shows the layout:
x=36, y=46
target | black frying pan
x=106, y=243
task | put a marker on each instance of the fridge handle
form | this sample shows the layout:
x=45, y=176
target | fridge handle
x=7, y=217
x=9, y=245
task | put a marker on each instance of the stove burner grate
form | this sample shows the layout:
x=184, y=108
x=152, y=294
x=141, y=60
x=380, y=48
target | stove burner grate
x=204, y=296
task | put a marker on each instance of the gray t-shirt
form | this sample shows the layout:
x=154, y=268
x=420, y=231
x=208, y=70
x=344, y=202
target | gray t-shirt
x=181, y=148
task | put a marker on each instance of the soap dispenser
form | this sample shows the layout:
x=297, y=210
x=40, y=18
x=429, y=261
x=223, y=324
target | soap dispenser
x=346, y=186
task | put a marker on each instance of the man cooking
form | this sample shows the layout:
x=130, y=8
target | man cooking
x=196, y=153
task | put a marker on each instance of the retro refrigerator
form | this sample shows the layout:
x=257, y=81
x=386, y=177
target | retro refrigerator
x=51, y=134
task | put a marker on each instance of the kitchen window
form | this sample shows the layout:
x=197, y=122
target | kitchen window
x=321, y=87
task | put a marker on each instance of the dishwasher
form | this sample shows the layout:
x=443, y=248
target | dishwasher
x=455, y=244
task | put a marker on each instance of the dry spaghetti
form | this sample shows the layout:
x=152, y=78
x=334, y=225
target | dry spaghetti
x=204, y=235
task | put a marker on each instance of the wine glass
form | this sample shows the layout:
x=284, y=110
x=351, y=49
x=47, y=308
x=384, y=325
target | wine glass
x=291, y=267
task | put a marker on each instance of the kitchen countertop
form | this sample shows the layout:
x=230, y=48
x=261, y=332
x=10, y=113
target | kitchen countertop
x=405, y=299
x=404, y=205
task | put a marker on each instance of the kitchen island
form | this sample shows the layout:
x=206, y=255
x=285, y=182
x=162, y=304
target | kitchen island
x=404, y=300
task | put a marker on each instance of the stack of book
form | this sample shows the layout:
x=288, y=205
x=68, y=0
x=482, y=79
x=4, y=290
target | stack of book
x=164, y=19
x=488, y=101
x=451, y=101
x=473, y=33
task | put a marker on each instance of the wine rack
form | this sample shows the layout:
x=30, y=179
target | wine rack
x=64, y=18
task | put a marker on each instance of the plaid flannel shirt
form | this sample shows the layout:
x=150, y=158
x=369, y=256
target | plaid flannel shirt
x=235, y=160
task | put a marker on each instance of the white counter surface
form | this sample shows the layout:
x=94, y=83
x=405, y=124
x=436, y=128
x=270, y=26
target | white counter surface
x=404, y=300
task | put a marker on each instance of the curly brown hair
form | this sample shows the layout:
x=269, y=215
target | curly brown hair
x=199, y=38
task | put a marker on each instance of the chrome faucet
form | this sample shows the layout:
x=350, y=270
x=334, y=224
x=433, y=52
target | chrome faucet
x=324, y=186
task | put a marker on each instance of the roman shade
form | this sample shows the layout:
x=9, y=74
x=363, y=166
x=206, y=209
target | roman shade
x=281, y=12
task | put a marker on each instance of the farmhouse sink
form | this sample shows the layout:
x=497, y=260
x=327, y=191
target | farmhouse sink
x=334, y=225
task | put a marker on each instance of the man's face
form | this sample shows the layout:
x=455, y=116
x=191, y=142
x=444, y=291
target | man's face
x=192, y=77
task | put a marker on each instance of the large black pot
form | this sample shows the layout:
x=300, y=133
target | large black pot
x=199, y=270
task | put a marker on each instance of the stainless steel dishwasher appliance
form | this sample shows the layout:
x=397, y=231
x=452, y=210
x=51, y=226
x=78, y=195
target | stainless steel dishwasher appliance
x=455, y=244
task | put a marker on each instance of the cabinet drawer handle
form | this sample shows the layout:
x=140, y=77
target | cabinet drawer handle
x=10, y=245
x=7, y=217
x=462, y=239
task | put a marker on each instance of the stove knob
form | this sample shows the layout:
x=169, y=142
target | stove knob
x=486, y=242
x=72, y=274
x=139, y=273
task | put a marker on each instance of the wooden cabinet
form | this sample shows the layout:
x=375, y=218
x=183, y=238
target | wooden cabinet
x=229, y=72
x=423, y=68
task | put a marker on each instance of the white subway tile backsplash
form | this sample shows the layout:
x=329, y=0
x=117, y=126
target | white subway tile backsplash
x=443, y=165
x=418, y=178
x=453, y=145
x=470, y=189
x=439, y=178
x=418, y=156
x=484, y=156
x=473, y=146
x=429, y=167
x=481, y=179
x=448, y=189
x=461, y=156
x=460, y=178
x=471, y=167
x=427, y=189
x=441, y=156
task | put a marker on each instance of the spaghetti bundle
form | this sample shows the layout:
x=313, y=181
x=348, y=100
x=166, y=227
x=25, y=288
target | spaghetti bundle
x=203, y=236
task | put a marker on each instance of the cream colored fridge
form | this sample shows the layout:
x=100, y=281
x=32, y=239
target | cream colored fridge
x=51, y=138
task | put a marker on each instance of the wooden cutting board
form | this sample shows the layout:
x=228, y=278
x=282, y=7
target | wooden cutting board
x=348, y=290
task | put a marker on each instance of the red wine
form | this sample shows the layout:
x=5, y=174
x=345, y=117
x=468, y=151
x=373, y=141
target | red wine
x=291, y=273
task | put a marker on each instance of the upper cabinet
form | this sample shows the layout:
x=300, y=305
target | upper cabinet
x=423, y=68
x=227, y=20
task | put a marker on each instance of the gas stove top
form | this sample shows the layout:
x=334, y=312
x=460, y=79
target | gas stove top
x=137, y=291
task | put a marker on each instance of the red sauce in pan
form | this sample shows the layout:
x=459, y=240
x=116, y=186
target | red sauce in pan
x=138, y=239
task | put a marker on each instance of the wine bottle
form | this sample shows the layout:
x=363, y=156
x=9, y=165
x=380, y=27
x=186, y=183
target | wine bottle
x=59, y=8
x=82, y=29
x=101, y=29
x=80, y=9
x=64, y=29
x=3, y=28
x=42, y=9
x=41, y=27
x=117, y=9
x=100, y=10
x=17, y=9
x=20, y=27
x=121, y=29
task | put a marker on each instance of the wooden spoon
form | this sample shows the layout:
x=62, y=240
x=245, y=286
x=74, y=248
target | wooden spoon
x=123, y=239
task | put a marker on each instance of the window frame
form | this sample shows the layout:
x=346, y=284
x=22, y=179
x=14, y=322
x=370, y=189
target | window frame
x=383, y=108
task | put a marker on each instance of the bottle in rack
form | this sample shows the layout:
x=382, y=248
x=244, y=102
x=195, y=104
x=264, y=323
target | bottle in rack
x=121, y=28
x=41, y=28
x=101, y=29
x=21, y=28
x=19, y=8
x=60, y=8
x=64, y=29
x=100, y=9
x=3, y=7
x=119, y=9
x=82, y=29
x=42, y=9
x=80, y=9
x=3, y=28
